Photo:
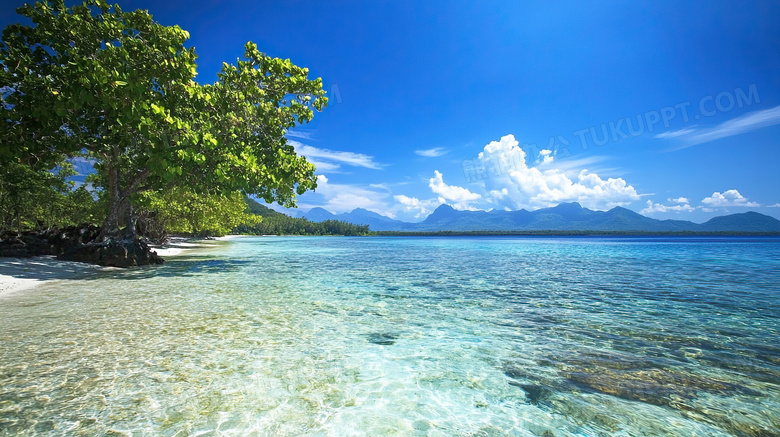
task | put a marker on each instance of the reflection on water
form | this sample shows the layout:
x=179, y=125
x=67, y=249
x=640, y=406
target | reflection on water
x=426, y=336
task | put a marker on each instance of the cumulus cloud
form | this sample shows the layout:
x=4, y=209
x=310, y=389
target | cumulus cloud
x=431, y=153
x=416, y=207
x=653, y=208
x=533, y=188
x=776, y=205
x=460, y=197
x=546, y=156
x=494, y=195
x=728, y=198
x=328, y=160
x=510, y=184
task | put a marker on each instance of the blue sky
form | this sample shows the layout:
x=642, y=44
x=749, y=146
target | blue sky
x=670, y=109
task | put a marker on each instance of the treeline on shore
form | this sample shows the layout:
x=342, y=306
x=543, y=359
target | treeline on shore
x=34, y=200
x=276, y=223
x=286, y=225
x=40, y=202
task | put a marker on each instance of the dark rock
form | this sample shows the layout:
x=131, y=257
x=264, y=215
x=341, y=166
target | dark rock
x=537, y=393
x=77, y=243
x=114, y=253
x=382, y=338
x=15, y=247
x=47, y=241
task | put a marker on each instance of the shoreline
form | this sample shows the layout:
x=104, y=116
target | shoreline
x=21, y=274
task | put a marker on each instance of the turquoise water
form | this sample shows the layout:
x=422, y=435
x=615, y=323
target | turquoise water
x=406, y=336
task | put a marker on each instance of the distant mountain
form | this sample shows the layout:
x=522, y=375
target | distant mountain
x=319, y=215
x=564, y=217
x=745, y=222
x=359, y=216
x=375, y=222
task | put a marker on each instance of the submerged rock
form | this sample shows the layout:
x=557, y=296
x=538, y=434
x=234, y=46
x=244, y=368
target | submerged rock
x=642, y=379
x=382, y=338
x=700, y=397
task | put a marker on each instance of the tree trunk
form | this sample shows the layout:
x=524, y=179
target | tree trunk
x=130, y=231
x=18, y=222
x=111, y=224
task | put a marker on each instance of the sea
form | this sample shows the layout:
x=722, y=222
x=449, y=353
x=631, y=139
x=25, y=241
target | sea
x=406, y=336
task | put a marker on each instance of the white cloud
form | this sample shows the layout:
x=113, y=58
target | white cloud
x=326, y=159
x=432, y=153
x=676, y=133
x=546, y=156
x=652, y=208
x=742, y=124
x=533, y=188
x=728, y=198
x=324, y=165
x=340, y=198
x=461, y=197
x=497, y=194
x=679, y=200
x=418, y=208
x=306, y=135
x=573, y=166
x=776, y=205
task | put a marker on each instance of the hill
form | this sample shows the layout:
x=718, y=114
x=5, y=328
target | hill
x=566, y=217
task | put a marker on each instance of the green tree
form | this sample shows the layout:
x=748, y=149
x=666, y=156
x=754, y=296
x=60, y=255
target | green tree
x=119, y=86
x=33, y=197
x=185, y=212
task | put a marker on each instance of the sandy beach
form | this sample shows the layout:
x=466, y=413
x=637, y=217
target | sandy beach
x=19, y=274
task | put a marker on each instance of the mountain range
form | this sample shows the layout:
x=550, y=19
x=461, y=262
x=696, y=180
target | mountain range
x=564, y=217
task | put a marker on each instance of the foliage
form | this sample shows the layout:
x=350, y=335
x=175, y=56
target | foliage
x=119, y=86
x=253, y=207
x=285, y=225
x=182, y=211
x=83, y=208
x=33, y=198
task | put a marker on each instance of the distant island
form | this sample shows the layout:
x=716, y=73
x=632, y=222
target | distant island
x=566, y=218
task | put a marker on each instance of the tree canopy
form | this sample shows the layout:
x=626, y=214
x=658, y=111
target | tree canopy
x=119, y=87
x=181, y=211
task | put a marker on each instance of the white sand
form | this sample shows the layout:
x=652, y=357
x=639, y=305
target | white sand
x=179, y=245
x=18, y=274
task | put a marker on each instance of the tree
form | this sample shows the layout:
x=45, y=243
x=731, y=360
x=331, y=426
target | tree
x=32, y=197
x=119, y=86
x=185, y=212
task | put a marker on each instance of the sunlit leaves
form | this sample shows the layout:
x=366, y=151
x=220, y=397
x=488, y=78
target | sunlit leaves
x=120, y=86
x=180, y=210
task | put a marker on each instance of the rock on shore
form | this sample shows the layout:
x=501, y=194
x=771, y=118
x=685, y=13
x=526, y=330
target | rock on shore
x=77, y=243
x=114, y=253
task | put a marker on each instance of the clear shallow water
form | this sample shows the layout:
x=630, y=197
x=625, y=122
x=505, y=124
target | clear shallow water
x=406, y=336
